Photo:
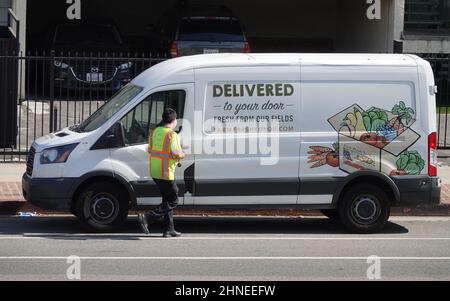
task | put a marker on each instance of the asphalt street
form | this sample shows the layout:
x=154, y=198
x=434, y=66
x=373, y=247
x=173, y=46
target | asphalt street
x=225, y=248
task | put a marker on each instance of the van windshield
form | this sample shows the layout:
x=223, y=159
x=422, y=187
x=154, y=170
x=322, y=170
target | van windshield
x=117, y=102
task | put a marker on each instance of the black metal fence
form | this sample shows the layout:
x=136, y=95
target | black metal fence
x=441, y=68
x=47, y=92
x=53, y=91
x=8, y=92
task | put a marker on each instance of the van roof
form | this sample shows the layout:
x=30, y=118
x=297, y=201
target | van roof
x=162, y=70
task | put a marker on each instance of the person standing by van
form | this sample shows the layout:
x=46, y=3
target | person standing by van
x=165, y=154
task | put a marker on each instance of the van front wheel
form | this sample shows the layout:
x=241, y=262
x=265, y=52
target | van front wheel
x=364, y=208
x=102, y=207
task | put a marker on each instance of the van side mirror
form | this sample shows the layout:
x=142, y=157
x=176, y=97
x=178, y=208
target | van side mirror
x=112, y=138
x=117, y=135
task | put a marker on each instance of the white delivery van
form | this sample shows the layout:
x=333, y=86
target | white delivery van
x=350, y=134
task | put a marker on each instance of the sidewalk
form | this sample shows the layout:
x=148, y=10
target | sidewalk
x=12, y=201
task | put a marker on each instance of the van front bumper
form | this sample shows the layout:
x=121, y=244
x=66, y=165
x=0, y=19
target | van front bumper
x=48, y=193
x=418, y=190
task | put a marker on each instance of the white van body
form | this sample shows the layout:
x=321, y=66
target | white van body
x=343, y=120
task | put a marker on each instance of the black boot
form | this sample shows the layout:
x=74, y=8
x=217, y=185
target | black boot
x=171, y=233
x=169, y=226
x=144, y=223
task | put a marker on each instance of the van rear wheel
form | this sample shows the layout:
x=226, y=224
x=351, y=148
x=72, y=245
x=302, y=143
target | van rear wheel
x=364, y=208
x=102, y=207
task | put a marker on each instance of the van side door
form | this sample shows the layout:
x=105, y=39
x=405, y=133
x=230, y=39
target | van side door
x=249, y=140
x=132, y=160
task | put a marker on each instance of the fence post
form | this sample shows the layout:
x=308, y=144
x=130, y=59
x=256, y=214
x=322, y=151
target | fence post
x=52, y=87
x=55, y=117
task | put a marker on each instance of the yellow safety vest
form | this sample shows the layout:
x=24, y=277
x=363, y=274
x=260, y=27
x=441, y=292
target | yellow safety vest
x=164, y=150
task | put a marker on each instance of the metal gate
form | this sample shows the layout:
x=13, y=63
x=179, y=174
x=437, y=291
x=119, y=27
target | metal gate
x=8, y=95
x=441, y=68
x=46, y=92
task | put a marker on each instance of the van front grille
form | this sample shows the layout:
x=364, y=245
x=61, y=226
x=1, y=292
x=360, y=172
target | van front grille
x=30, y=161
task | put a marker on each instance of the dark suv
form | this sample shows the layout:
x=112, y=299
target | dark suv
x=208, y=31
x=75, y=43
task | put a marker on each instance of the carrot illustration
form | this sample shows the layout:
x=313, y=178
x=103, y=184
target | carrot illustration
x=319, y=163
x=321, y=155
x=321, y=149
x=316, y=158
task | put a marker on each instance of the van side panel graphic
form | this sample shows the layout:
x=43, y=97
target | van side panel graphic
x=320, y=156
x=375, y=139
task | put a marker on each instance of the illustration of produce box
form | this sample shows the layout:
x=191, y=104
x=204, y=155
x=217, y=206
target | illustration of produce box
x=373, y=139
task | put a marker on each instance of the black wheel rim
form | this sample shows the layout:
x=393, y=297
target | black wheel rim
x=103, y=208
x=366, y=210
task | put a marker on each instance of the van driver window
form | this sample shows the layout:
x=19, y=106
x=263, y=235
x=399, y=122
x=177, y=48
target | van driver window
x=146, y=116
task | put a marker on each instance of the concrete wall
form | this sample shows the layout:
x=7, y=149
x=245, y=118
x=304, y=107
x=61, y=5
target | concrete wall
x=424, y=45
x=397, y=19
x=20, y=9
x=356, y=33
x=4, y=5
x=285, y=18
x=343, y=23
x=281, y=18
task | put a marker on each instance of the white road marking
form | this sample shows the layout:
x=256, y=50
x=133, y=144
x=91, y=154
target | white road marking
x=140, y=237
x=220, y=258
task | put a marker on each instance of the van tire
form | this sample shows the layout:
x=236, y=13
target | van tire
x=332, y=214
x=102, y=207
x=374, y=213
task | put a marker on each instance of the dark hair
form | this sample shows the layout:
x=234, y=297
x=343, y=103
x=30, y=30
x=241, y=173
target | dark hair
x=168, y=116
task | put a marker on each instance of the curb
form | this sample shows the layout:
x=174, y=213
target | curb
x=13, y=207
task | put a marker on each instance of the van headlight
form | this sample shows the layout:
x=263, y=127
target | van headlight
x=58, y=154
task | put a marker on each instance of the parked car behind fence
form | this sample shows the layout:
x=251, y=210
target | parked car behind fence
x=87, y=39
x=211, y=31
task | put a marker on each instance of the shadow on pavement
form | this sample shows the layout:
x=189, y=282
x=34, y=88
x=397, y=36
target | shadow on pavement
x=69, y=228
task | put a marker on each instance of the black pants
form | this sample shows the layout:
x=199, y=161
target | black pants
x=169, y=193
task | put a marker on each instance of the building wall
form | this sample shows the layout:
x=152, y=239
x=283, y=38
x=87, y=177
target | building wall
x=20, y=9
x=287, y=19
x=343, y=23
x=356, y=33
x=398, y=19
x=4, y=5
x=427, y=45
